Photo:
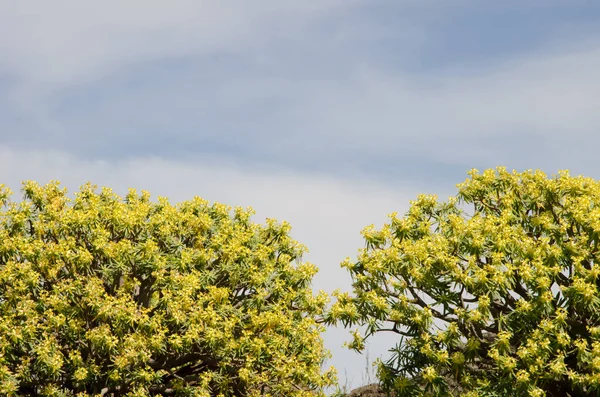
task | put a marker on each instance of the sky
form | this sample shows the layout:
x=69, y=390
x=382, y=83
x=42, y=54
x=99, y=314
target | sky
x=328, y=114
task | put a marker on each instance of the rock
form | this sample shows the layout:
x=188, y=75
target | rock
x=372, y=390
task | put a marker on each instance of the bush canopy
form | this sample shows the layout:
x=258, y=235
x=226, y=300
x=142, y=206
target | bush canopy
x=103, y=295
x=491, y=293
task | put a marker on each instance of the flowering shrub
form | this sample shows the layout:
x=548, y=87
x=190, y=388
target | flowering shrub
x=491, y=293
x=101, y=295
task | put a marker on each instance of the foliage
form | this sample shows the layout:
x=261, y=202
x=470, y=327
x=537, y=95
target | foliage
x=491, y=293
x=128, y=297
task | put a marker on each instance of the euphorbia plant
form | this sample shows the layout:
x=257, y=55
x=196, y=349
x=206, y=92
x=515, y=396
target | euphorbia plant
x=494, y=292
x=103, y=295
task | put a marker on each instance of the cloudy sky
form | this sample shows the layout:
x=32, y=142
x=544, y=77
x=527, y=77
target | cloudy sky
x=329, y=114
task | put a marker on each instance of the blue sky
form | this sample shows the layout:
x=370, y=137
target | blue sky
x=329, y=114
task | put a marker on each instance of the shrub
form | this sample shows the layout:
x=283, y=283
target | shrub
x=127, y=297
x=491, y=293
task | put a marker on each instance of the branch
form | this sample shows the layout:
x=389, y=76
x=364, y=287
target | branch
x=145, y=291
x=177, y=361
x=419, y=301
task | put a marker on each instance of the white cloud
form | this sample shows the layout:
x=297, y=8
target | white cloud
x=68, y=41
x=326, y=214
x=450, y=115
x=472, y=113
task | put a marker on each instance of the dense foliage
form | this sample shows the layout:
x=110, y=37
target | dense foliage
x=102, y=295
x=491, y=293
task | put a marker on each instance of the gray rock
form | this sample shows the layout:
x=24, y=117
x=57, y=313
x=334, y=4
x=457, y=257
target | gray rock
x=372, y=390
